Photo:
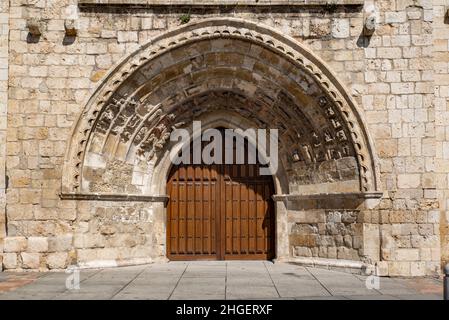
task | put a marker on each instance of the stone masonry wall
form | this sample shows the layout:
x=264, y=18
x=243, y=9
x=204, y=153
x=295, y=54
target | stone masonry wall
x=399, y=106
x=327, y=232
x=51, y=78
x=441, y=76
x=391, y=74
x=4, y=32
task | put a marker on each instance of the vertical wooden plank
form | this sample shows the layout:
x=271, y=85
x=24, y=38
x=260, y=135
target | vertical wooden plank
x=251, y=219
x=206, y=214
x=271, y=227
x=203, y=234
x=261, y=238
x=182, y=217
x=190, y=210
x=177, y=191
x=213, y=216
x=220, y=214
x=235, y=218
x=197, y=207
x=244, y=217
x=228, y=218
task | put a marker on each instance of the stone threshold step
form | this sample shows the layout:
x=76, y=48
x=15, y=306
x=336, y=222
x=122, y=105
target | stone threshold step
x=348, y=266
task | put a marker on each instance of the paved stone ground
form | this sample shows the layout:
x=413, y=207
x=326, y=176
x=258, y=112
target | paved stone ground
x=213, y=280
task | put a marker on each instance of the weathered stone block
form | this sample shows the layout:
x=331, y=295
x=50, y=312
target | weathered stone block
x=303, y=252
x=418, y=269
x=404, y=254
x=57, y=260
x=89, y=241
x=349, y=216
x=37, y=244
x=60, y=243
x=398, y=269
x=30, y=260
x=10, y=260
x=382, y=268
x=347, y=239
x=409, y=180
x=426, y=229
x=340, y=28
x=347, y=254
x=15, y=244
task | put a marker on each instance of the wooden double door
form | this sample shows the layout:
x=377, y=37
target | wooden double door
x=220, y=212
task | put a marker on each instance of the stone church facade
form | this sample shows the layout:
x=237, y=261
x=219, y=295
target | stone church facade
x=359, y=89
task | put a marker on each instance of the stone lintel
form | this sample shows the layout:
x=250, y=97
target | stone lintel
x=212, y=3
x=113, y=197
x=343, y=195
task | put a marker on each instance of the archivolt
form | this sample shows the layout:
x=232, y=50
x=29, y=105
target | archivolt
x=221, y=64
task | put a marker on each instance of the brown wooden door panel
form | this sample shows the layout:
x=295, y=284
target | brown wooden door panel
x=219, y=212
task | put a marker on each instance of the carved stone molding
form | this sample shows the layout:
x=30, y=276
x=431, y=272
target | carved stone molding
x=113, y=197
x=334, y=92
x=318, y=196
x=259, y=3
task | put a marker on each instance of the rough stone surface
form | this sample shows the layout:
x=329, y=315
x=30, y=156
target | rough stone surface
x=386, y=133
x=15, y=244
x=30, y=260
x=57, y=260
x=10, y=260
x=37, y=244
x=4, y=62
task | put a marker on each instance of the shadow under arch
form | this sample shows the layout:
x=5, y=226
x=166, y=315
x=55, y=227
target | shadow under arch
x=225, y=120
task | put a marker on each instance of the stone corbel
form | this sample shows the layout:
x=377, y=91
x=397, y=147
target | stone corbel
x=370, y=24
x=35, y=26
x=371, y=19
x=70, y=28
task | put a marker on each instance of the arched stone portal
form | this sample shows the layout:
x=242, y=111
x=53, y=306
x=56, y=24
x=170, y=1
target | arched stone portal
x=233, y=71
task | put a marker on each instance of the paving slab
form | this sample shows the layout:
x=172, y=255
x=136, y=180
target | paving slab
x=251, y=292
x=212, y=280
x=420, y=297
x=141, y=296
x=322, y=298
x=84, y=296
x=248, y=281
x=199, y=289
x=28, y=296
x=371, y=297
x=301, y=288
